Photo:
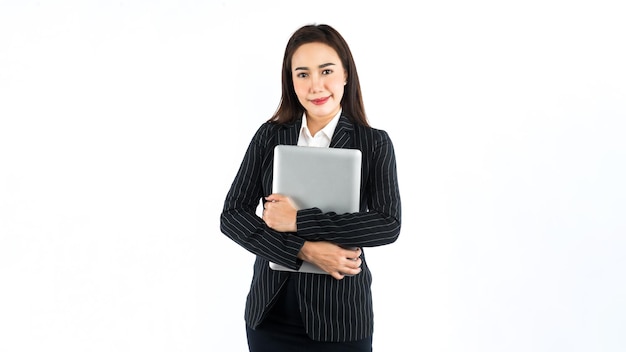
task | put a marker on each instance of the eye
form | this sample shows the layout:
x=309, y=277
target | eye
x=302, y=75
x=327, y=71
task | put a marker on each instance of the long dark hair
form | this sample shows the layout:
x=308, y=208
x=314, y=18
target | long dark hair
x=290, y=108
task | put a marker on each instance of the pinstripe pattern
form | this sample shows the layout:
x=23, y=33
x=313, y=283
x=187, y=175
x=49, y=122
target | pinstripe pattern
x=332, y=310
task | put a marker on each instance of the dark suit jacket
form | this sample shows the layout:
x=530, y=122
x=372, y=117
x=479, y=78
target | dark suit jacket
x=332, y=310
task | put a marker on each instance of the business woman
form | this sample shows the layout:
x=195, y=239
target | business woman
x=321, y=105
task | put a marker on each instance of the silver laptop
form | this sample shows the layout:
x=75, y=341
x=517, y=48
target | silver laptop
x=324, y=178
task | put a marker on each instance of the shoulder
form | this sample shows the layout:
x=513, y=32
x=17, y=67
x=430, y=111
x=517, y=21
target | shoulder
x=363, y=134
x=267, y=129
x=270, y=130
x=269, y=134
x=372, y=137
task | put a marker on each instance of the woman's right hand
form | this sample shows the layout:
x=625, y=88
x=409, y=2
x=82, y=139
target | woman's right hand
x=333, y=259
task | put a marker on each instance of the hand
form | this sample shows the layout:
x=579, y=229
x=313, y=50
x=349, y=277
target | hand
x=279, y=213
x=333, y=259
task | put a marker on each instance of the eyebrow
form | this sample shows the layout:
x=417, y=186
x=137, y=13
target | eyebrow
x=320, y=66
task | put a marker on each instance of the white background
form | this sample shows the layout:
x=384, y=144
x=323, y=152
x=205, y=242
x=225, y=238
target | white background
x=122, y=124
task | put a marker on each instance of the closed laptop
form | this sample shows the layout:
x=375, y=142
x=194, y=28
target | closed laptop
x=324, y=178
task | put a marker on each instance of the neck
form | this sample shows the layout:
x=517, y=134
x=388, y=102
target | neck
x=316, y=123
x=315, y=126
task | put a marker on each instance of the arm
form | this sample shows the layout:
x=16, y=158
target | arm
x=324, y=231
x=279, y=213
x=380, y=223
x=239, y=221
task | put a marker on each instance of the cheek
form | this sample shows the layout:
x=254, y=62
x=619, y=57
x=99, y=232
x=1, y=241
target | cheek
x=300, y=90
x=338, y=88
x=337, y=83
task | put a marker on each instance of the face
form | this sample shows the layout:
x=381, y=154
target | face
x=318, y=80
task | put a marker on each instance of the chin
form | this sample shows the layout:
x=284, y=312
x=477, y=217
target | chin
x=317, y=111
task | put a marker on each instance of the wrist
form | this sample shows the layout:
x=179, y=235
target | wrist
x=304, y=251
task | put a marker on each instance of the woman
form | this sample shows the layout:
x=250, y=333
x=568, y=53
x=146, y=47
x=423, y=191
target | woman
x=321, y=106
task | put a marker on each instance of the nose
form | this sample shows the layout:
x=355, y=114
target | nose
x=317, y=83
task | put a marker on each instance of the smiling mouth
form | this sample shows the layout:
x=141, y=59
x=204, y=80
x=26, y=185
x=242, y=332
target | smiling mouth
x=320, y=101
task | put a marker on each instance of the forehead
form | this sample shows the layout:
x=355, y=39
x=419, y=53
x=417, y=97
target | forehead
x=314, y=54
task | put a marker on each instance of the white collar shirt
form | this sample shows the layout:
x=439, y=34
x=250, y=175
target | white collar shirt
x=322, y=138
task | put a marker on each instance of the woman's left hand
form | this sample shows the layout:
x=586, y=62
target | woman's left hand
x=279, y=213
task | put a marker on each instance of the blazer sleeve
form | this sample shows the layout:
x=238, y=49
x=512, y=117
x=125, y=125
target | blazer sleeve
x=379, y=223
x=239, y=220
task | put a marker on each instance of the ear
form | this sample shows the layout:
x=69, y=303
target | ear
x=345, y=77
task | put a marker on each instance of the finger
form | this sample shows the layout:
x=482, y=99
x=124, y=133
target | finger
x=274, y=197
x=353, y=254
x=337, y=275
x=354, y=251
x=354, y=264
x=351, y=272
x=270, y=205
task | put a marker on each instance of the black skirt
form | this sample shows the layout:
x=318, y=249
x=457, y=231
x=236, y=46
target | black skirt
x=283, y=330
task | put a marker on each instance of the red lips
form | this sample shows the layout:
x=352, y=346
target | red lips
x=320, y=101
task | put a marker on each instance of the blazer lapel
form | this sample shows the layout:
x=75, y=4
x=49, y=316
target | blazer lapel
x=342, y=137
x=290, y=133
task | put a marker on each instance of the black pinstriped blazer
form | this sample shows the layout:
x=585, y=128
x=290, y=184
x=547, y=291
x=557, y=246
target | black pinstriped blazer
x=332, y=310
